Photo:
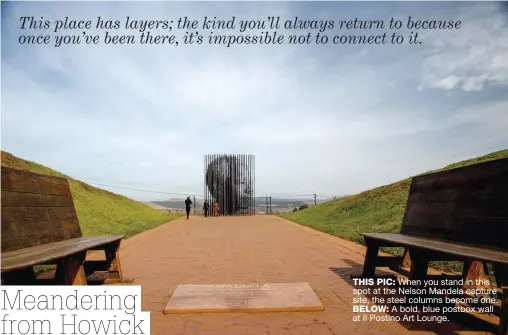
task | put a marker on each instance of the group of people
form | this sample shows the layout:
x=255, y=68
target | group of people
x=206, y=207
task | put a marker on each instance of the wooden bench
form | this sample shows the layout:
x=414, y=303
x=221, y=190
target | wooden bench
x=454, y=215
x=40, y=226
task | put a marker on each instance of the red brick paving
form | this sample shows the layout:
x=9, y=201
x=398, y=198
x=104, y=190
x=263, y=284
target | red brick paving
x=257, y=249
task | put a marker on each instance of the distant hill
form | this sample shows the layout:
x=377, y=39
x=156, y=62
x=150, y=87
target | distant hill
x=260, y=202
x=176, y=203
x=155, y=206
x=100, y=212
x=282, y=202
x=287, y=202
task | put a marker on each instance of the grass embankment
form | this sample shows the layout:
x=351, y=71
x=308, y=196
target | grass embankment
x=378, y=210
x=101, y=212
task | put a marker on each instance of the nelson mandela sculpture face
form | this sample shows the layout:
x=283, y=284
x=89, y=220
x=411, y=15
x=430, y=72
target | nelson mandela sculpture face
x=229, y=181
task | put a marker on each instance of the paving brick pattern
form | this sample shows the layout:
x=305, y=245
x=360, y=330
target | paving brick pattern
x=257, y=249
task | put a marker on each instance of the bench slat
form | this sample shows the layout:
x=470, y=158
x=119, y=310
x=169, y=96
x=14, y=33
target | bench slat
x=19, y=199
x=28, y=182
x=45, y=253
x=461, y=250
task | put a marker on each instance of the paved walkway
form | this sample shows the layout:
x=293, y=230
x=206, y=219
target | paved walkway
x=257, y=249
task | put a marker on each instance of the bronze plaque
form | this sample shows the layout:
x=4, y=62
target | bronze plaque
x=278, y=297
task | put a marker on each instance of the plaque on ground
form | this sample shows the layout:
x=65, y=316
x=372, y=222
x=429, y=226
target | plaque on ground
x=279, y=297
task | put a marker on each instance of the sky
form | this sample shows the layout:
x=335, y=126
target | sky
x=325, y=119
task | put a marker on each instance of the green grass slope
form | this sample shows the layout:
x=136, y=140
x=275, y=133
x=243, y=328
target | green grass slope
x=100, y=212
x=378, y=210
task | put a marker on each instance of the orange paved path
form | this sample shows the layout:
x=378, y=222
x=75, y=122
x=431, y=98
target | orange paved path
x=258, y=249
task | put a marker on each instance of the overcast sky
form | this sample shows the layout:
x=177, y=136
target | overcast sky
x=330, y=119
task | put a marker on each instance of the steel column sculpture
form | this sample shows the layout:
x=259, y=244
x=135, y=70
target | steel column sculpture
x=229, y=181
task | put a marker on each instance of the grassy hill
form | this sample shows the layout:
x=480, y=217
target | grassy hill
x=100, y=212
x=378, y=210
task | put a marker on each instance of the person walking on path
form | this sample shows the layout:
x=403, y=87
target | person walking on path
x=188, y=202
x=205, y=208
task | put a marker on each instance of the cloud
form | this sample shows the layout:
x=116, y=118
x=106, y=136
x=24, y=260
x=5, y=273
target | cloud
x=470, y=58
x=328, y=119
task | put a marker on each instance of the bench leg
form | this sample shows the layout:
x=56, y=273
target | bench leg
x=369, y=265
x=419, y=266
x=472, y=272
x=406, y=259
x=70, y=271
x=501, y=273
x=115, y=269
x=475, y=270
x=465, y=268
x=109, y=271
